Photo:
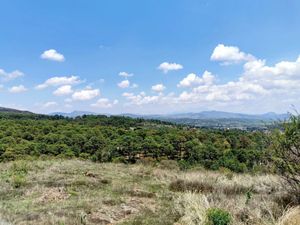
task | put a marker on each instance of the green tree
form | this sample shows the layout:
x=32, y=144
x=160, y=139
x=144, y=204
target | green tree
x=287, y=154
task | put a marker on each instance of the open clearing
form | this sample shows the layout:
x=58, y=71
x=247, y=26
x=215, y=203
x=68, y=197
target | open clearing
x=83, y=192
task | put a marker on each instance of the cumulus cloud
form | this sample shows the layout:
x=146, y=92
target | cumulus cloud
x=86, y=94
x=52, y=55
x=125, y=74
x=104, y=103
x=17, y=89
x=158, y=87
x=143, y=99
x=166, y=67
x=284, y=75
x=63, y=90
x=229, y=55
x=124, y=84
x=6, y=76
x=193, y=80
x=258, y=82
x=269, y=87
x=49, y=104
x=58, y=81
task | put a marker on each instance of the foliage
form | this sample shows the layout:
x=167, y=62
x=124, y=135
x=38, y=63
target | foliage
x=123, y=139
x=287, y=155
x=217, y=216
x=18, y=172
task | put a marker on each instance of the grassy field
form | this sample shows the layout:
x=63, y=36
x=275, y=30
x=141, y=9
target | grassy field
x=83, y=192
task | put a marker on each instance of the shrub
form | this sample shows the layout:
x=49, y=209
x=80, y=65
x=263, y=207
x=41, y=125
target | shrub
x=184, y=165
x=227, y=172
x=216, y=216
x=18, y=172
x=18, y=180
x=120, y=159
x=84, y=155
x=287, y=155
x=232, y=164
x=19, y=167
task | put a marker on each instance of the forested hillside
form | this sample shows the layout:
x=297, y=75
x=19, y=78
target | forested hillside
x=128, y=140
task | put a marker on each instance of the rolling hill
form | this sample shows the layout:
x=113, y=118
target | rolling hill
x=10, y=110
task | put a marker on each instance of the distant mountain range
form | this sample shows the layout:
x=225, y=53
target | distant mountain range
x=221, y=120
x=226, y=115
x=73, y=114
x=9, y=110
x=205, y=119
x=201, y=115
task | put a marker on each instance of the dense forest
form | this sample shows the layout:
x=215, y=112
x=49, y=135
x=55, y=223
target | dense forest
x=123, y=139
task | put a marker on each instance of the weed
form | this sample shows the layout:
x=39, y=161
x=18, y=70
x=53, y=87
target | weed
x=216, y=216
x=18, y=180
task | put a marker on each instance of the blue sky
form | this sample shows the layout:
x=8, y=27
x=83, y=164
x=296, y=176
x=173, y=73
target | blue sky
x=180, y=56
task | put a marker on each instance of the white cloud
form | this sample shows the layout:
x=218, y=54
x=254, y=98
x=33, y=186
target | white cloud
x=125, y=74
x=158, y=88
x=10, y=76
x=259, y=88
x=86, y=94
x=124, y=84
x=63, y=90
x=134, y=86
x=17, y=89
x=58, y=81
x=229, y=55
x=49, y=104
x=166, y=67
x=143, y=99
x=104, y=103
x=53, y=55
x=193, y=80
x=284, y=76
x=259, y=83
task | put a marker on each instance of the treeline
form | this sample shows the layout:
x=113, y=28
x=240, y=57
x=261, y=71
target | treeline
x=115, y=138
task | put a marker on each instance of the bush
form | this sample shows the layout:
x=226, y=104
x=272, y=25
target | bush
x=232, y=163
x=287, y=155
x=184, y=165
x=120, y=159
x=18, y=180
x=19, y=167
x=84, y=155
x=217, y=216
x=18, y=172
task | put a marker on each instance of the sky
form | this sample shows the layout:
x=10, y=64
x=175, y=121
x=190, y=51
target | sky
x=150, y=57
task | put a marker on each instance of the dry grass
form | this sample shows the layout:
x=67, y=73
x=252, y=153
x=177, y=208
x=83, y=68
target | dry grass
x=82, y=192
x=250, y=199
x=192, y=207
x=74, y=192
x=290, y=217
